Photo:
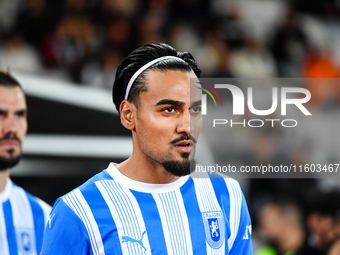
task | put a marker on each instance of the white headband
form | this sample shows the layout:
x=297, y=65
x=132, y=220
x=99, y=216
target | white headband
x=142, y=69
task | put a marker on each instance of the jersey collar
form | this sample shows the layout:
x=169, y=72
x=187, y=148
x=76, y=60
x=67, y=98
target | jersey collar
x=142, y=186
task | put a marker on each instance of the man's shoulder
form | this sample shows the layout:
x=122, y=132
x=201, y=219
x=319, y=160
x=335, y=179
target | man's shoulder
x=82, y=203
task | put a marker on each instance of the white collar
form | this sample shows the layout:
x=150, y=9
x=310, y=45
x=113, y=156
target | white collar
x=143, y=186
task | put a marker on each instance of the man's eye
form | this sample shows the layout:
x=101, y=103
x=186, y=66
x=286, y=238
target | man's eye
x=20, y=114
x=196, y=109
x=169, y=110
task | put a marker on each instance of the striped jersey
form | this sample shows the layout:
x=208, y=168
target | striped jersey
x=113, y=214
x=23, y=218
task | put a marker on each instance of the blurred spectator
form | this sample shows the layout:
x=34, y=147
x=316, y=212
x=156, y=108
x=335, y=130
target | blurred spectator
x=213, y=56
x=9, y=12
x=101, y=73
x=252, y=61
x=183, y=36
x=154, y=21
x=281, y=224
x=119, y=35
x=17, y=55
x=81, y=7
x=290, y=46
x=150, y=28
x=328, y=8
x=322, y=64
x=322, y=211
x=231, y=27
x=111, y=9
x=37, y=20
x=73, y=40
x=195, y=12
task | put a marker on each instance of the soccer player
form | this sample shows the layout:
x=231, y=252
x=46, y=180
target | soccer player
x=22, y=216
x=149, y=204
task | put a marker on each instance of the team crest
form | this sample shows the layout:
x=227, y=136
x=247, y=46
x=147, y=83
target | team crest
x=26, y=241
x=214, y=228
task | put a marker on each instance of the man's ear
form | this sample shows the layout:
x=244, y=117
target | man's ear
x=127, y=114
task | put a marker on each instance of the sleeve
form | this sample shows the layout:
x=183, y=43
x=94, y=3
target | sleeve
x=65, y=233
x=243, y=243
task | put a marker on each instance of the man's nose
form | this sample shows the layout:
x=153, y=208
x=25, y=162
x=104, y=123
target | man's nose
x=9, y=125
x=184, y=125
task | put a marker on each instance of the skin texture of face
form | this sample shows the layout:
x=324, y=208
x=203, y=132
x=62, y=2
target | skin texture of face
x=167, y=114
x=13, y=125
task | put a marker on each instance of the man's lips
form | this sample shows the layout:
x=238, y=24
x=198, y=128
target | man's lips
x=184, y=146
x=10, y=143
x=184, y=138
x=184, y=143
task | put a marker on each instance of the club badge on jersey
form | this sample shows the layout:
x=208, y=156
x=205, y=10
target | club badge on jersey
x=214, y=228
x=26, y=241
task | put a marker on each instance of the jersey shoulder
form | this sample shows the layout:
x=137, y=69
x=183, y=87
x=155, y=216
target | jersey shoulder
x=90, y=184
x=82, y=195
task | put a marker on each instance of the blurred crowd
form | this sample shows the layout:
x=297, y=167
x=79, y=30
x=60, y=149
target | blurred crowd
x=83, y=41
x=291, y=226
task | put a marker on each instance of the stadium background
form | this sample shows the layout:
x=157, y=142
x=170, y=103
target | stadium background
x=65, y=54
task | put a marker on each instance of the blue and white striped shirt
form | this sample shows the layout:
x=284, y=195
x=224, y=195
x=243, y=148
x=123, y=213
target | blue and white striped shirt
x=23, y=218
x=112, y=214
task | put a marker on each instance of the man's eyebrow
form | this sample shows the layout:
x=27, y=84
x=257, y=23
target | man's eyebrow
x=23, y=111
x=170, y=102
x=197, y=103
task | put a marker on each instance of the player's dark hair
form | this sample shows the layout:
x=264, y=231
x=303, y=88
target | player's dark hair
x=6, y=80
x=139, y=58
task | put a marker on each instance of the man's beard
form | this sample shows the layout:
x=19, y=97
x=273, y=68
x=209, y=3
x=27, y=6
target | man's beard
x=9, y=162
x=179, y=168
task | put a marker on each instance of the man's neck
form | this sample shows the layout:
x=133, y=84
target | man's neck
x=4, y=174
x=143, y=171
